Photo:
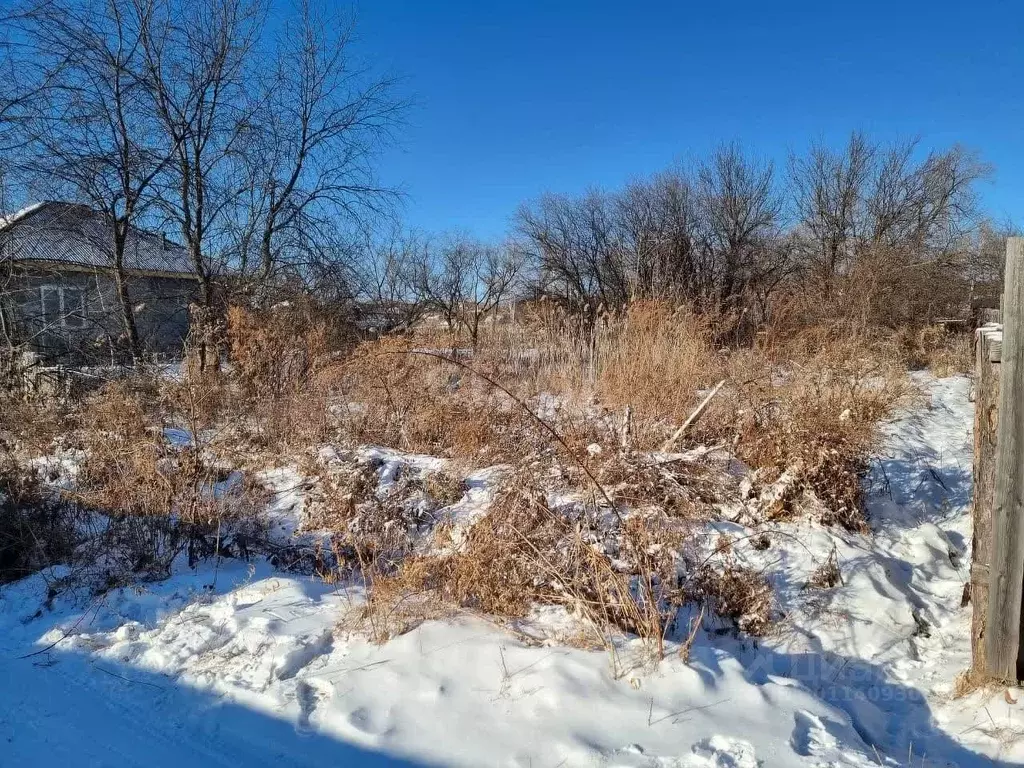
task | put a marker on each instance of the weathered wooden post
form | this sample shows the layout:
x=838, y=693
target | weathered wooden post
x=988, y=352
x=1006, y=581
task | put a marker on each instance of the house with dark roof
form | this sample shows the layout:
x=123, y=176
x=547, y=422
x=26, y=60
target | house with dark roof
x=58, y=296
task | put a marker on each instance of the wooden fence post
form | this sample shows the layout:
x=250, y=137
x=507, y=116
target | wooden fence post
x=1006, y=582
x=988, y=349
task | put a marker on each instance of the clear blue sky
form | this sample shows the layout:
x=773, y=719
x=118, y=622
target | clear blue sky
x=514, y=99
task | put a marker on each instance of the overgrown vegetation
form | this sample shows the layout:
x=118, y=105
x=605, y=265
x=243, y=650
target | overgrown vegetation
x=598, y=506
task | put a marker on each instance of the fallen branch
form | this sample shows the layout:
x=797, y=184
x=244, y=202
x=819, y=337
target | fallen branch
x=693, y=417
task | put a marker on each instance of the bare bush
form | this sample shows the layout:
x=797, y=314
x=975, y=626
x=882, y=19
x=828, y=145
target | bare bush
x=163, y=497
x=523, y=552
x=37, y=529
x=810, y=407
x=826, y=575
x=283, y=373
x=739, y=594
x=419, y=403
x=274, y=352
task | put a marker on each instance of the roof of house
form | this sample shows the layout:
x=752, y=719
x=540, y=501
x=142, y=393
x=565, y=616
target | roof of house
x=74, y=235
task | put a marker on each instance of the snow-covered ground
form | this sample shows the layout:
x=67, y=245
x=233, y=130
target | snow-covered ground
x=245, y=666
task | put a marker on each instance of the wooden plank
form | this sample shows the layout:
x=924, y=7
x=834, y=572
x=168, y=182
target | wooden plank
x=986, y=419
x=1002, y=631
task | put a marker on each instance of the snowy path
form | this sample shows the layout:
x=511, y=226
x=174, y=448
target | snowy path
x=254, y=672
x=887, y=645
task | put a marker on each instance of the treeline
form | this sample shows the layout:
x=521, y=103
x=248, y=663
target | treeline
x=734, y=231
x=891, y=233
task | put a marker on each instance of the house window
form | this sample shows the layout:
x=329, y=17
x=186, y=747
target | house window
x=63, y=306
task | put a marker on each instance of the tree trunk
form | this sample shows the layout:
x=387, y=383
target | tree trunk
x=124, y=300
x=266, y=256
x=127, y=314
x=205, y=287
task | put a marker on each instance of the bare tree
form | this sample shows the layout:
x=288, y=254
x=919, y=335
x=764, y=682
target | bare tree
x=466, y=281
x=17, y=90
x=658, y=225
x=93, y=130
x=319, y=122
x=719, y=238
x=496, y=277
x=986, y=254
x=740, y=208
x=390, y=279
x=22, y=82
x=707, y=240
x=444, y=275
x=927, y=205
x=898, y=219
x=196, y=63
x=573, y=241
x=870, y=195
x=829, y=194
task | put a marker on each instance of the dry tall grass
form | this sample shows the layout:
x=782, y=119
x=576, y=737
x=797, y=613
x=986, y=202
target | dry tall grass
x=163, y=496
x=806, y=401
x=801, y=409
x=592, y=516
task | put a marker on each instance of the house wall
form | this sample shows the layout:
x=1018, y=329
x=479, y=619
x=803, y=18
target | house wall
x=96, y=336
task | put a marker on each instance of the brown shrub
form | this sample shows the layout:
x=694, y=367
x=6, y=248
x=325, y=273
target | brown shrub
x=375, y=527
x=444, y=488
x=806, y=400
x=799, y=400
x=513, y=557
x=934, y=347
x=810, y=406
x=954, y=356
x=683, y=490
x=524, y=552
x=650, y=356
x=826, y=575
x=128, y=462
x=272, y=396
x=737, y=593
x=163, y=498
x=422, y=404
x=273, y=352
x=886, y=289
x=34, y=427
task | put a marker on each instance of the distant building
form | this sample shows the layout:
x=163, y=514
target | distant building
x=57, y=292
